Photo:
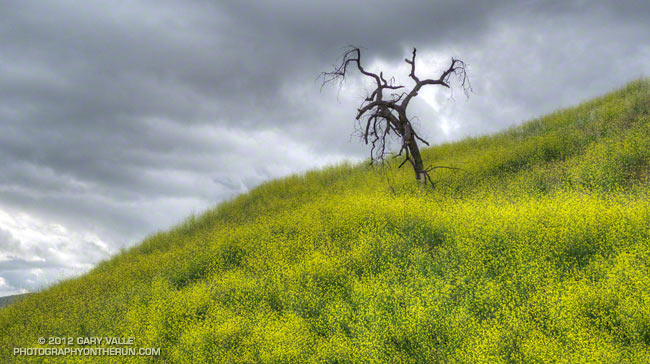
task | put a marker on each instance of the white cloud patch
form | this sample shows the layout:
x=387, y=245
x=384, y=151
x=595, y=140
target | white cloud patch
x=7, y=289
x=30, y=246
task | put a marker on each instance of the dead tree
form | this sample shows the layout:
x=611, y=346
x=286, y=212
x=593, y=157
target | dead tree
x=385, y=115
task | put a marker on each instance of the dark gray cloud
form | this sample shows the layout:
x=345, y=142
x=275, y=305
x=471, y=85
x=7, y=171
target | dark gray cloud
x=119, y=119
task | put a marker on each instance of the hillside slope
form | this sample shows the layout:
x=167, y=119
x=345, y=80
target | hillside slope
x=7, y=300
x=537, y=251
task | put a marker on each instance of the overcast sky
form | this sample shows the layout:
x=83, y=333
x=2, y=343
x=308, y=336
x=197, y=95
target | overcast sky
x=121, y=118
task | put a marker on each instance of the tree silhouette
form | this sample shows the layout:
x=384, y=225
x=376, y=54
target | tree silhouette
x=385, y=115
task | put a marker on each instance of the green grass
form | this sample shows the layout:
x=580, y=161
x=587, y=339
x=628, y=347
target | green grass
x=537, y=252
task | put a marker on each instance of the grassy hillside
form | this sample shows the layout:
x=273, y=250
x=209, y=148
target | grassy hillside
x=7, y=300
x=537, y=252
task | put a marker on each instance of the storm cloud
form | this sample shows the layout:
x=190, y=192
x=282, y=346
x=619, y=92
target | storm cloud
x=118, y=119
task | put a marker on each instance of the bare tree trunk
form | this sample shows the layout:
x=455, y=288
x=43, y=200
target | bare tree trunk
x=418, y=165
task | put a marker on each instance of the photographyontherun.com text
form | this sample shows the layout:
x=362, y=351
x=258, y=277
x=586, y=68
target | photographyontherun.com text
x=86, y=351
x=62, y=347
